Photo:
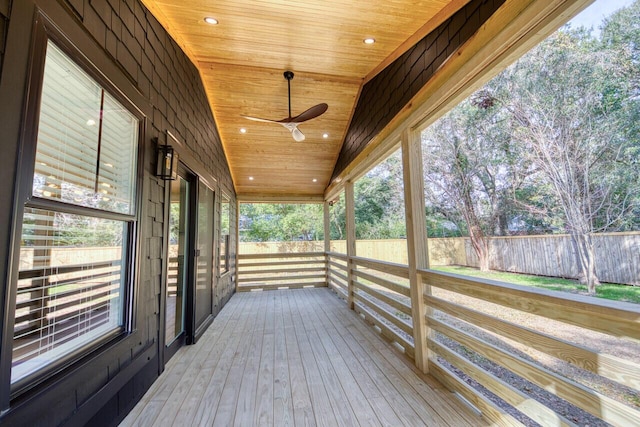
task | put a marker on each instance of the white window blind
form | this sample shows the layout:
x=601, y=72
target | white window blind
x=87, y=141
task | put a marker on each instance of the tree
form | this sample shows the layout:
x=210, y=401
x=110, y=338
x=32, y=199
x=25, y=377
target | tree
x=568, y=101
x=338, y=219
x=379, y=201
x=471, y=170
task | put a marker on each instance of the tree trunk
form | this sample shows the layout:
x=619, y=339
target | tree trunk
x=586, y=259
x=480, y=245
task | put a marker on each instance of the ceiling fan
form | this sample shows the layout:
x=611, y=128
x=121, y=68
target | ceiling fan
x=291, y=123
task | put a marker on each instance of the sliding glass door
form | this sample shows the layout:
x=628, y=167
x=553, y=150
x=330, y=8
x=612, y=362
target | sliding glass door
x=180, y=265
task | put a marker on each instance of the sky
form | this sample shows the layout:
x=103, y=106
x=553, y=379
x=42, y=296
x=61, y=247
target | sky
x=594, y=14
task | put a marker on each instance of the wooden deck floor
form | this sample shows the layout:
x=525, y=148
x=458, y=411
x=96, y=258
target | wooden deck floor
x=294, y=357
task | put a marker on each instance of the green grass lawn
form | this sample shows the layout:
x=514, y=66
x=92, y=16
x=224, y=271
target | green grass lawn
x=608, y=291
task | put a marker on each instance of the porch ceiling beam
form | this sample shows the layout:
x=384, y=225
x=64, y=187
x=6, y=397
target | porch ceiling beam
x=279, y=198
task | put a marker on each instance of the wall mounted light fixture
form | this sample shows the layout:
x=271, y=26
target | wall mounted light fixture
x=167, y=163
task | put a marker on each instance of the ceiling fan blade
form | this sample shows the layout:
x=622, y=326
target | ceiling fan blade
x=258, y=119
x=295, y=132
x=311, y=113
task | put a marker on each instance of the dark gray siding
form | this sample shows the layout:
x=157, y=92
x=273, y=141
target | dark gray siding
x=150, y=69
x=386, y=94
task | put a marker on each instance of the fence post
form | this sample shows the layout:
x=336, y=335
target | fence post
x=351, y=239
x=417, y=252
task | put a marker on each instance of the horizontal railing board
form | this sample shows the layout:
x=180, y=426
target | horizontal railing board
x=338, y=287
x=614, y=368
x=383, y=266
x=339, y=292
x=335, y=282
x=338, y=255
x=242, y=257
x=386, y=331
x=609, y=317
x=490, y=410
x=404, y=308
x=395, y=287
x=271, y=279
x=270, y=263
x=591, y=401
x=39, y=273
x=530, y=407
x=338, y=274
x=249, y=288
x=396, y=321
x=338, y=265
x=280, y=270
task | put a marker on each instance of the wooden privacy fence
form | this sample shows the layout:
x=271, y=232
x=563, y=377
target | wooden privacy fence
x=442, y=251
x=617, y=254
x=479, y=332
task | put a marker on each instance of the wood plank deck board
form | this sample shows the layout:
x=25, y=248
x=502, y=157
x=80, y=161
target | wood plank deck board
x=294, y=358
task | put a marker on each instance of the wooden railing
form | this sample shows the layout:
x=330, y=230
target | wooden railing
x=337, y=271
x=281, y=271
x=580, y=313
x=463, y=338
x=380, y=294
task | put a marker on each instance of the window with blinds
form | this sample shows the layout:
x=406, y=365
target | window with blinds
x=77, y=226
x=87, y=141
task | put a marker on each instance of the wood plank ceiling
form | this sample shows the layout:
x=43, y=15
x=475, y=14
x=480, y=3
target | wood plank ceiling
x=242, y=60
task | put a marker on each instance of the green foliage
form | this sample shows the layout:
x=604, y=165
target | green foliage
x=262, y=222
x=379, y=201
x=68, y=230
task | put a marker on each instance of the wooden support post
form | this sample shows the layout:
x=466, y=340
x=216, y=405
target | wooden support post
x=351, y=239
x=327, y=239
x=237, y=246
x=417, y=250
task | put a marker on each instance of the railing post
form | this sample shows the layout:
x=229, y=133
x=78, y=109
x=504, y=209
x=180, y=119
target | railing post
x=327, y=239
x=237, y=253
x=351, y=239
x=417, y=251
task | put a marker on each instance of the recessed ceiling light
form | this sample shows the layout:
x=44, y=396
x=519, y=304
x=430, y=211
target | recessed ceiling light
x=91, y=122
x=325, y=135
x=243, y=130
x=250, y=178
x=210, y=20
x=315, y=180
x=369, y=40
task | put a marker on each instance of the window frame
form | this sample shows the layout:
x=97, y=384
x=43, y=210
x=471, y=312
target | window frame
x=44, y=31
x=226, y=237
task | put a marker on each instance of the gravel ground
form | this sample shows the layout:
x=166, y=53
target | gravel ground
x=622, y=348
